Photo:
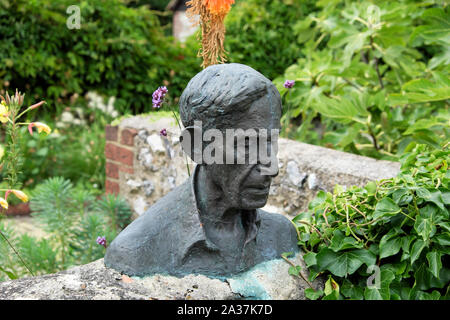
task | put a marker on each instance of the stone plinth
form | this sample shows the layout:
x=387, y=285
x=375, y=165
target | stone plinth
x=267, y=281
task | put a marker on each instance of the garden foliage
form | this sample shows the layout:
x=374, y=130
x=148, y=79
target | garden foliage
x=73, y=218
x=259, y=33
x=372, y=77
x=118, y=51
x=396, y=228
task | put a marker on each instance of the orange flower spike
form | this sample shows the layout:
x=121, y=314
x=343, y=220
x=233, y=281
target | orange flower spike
x=218, y=7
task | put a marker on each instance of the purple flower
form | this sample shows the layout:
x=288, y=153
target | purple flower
x=163, y=132
x=289, y=84
x=158, y=97
x=101, y=241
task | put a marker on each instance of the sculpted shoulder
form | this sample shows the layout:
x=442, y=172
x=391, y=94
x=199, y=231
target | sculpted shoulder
x=150, y=235
x=276, y=235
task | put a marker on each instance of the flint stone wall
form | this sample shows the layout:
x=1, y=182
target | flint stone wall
x=143, y=166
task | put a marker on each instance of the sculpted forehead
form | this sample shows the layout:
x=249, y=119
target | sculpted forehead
x=221, y=95
x=264, y=113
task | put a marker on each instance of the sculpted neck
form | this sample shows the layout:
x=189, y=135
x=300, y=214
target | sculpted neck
x=215, y=209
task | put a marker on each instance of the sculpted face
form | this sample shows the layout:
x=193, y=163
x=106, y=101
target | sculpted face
x=246, y=186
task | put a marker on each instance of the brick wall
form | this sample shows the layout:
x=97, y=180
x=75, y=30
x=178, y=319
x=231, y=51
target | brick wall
x=119, y=155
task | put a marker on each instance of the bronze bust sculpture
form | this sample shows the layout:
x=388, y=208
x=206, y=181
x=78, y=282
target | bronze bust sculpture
x=212, y=223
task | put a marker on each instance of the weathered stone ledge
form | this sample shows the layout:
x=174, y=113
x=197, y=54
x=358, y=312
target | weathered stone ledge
x=94, y=281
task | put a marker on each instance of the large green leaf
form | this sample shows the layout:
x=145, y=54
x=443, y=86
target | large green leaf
x=312, y=294
x=390, y=247
x=386, y=207
x=340, y=242
x=422, y=124
x=417, y=248
x=382, y=292
x=420, y=90
x=344, y=263
x=436, y=27
x=434, y=262
x=425, y=227
x=426, y=280
x=344, y=109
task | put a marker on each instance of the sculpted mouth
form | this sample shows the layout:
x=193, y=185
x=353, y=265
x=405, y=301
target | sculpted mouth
x=263, y=189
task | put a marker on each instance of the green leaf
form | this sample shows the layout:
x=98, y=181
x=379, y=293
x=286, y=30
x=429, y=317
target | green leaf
x=310, y=259
x=402, y=196
x=434, y=262
x=352, y=291
x=340, y=242
x=423, y=193
x=312, y=294
x=372, y=294
x=419, y=91
x=435, y=295
x=371, y=188
x=436, y=198
x=10, y=275
x=426, y=280
x=417, y=248
x=443, y=239
x=422, y=124
x=382, y=292
x=390, y=247
x=425, y=227
x=332, y=296
x=344, y=110
x=386, y=207
x=330, y=286
x=354, y=43
x=294, y=271
x=343, y=263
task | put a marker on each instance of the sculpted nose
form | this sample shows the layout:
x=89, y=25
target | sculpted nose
x=270, y=169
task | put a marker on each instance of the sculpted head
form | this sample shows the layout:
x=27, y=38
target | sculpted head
x=218, y=101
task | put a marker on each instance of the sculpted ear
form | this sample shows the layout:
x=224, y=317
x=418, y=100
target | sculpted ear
x=192, y=143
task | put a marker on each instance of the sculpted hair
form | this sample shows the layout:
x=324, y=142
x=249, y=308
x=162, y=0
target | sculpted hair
x=222, y=93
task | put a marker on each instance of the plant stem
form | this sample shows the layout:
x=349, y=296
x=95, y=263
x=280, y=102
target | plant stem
x=374, y=138
x=315, y=229
x=300, y=272
x=17, y=253
x=377, y=69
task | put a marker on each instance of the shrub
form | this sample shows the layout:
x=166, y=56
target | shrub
x=118, y=51
x=375, y=76
x=74, y=152
x=396, y=227
x=259, y=33
x=73, y=218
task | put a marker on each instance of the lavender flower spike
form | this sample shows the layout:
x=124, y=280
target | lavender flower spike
x=158, y=97
x=289, y=84
x=101, y=241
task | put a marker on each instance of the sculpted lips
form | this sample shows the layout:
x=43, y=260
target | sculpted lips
x=259, y=188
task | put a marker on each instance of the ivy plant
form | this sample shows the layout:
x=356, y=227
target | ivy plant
x=387, y=240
